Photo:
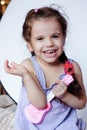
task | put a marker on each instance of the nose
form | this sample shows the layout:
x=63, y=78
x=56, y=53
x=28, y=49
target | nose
x=49, y=42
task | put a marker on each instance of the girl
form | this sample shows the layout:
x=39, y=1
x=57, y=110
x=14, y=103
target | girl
x=45, y=31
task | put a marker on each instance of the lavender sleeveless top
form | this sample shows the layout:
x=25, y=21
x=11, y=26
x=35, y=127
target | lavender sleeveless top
x=61, y=116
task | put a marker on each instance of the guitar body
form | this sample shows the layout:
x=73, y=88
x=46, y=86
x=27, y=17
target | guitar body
x=35, y=115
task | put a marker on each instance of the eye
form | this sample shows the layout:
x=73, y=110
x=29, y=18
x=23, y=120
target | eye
x=55, y=36
x=40, y=38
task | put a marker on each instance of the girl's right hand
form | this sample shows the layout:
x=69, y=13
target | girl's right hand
x=15, y=69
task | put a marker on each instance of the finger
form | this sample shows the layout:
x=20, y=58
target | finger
x=6, y=65
x=15, y=65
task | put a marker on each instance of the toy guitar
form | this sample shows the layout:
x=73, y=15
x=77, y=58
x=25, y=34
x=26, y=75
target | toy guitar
x=35, y=115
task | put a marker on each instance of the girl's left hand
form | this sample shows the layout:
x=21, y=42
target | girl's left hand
x=60, y=89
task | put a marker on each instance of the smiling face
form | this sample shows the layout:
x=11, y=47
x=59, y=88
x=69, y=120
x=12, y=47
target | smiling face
x=47, y=40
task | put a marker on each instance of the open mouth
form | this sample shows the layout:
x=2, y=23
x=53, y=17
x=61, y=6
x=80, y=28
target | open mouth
x=50, y=51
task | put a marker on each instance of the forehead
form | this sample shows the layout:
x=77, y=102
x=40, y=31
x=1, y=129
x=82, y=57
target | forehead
x=45, y=24
x=45, y=21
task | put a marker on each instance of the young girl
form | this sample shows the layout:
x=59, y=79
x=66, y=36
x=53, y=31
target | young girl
x=45, y=31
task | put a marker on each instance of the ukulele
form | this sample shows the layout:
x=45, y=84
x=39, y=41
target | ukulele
x=36, y=115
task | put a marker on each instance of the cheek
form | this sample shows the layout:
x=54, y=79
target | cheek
x=37, y=48
x=61, y=45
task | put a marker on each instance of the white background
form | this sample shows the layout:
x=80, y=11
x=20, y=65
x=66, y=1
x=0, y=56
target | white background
x=13, y=47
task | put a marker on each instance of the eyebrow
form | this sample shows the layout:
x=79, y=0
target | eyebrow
x=58, y=33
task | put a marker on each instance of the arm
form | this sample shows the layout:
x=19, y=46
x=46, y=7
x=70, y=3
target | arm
x=35, y=94
x=61, y=91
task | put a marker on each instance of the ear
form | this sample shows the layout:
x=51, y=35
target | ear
x=30, y=47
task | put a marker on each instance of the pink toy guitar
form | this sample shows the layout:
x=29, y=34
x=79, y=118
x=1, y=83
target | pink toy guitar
x=35, y=115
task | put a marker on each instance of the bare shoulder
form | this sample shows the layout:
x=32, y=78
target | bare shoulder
x=77, y=68
x=78, y=73
x=28, y=64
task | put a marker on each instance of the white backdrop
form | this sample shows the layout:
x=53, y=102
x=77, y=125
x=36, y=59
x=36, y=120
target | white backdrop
x=13, y=47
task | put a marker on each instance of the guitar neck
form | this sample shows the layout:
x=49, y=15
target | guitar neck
x=50, y=96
